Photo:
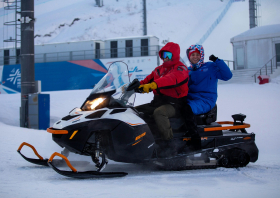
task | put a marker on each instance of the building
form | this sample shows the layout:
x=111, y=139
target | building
x=257, y=47
x=80, y=65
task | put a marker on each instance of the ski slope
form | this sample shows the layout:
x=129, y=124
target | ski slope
x=260, y=103
x=183, y=22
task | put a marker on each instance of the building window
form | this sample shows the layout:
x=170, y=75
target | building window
x=97, y=50
x=6, y=57
x=277, y=50
x=144, y=47
x=114, y=49
x=18, y=56
x=128, y=48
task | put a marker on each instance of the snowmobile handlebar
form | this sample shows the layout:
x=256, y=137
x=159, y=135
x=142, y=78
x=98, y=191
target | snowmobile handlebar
x=32, y=147
x=65, y=159
x=134, y=86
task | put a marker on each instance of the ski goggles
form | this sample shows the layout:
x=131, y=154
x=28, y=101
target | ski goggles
x=167, y=54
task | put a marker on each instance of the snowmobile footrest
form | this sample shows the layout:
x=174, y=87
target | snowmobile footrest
x=40, y=161
x=82, y=175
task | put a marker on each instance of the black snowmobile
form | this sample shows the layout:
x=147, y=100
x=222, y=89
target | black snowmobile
x=107, y=126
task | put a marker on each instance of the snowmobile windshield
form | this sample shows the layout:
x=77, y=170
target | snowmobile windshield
x=116, y=77
x=115, y=81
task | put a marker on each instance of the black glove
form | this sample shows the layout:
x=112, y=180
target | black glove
x=213, y=58
x=134, y=86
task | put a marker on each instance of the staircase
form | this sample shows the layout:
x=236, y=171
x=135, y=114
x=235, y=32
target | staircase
x=241, y=76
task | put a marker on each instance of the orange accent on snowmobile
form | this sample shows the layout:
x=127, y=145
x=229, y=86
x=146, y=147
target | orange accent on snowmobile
x=140, y=136
x=63, y=157
x=32, y=147
x=74, y=133
x=243, y=126
x=136, y=142
x=134, y=124
x=247, y=138
x=186, y=139
x=53, y=131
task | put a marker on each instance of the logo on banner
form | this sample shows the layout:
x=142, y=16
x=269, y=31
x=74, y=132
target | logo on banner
x=12, y=77
x=15, y=77
x=135, y=70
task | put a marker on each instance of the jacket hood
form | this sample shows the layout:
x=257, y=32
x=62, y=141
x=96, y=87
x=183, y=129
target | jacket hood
x=174, y=48
x=201, y=51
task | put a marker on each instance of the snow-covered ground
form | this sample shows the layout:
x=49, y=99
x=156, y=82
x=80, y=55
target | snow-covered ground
x=260, y=103
x=183, y=22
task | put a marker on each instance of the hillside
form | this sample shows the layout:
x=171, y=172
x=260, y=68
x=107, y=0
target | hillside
x=183, y=22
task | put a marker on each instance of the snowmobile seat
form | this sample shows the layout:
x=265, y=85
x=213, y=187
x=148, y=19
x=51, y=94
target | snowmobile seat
x=207, y=118
x=203, y=121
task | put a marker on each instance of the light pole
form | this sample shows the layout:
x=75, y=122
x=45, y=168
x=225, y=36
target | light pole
x=27, y=58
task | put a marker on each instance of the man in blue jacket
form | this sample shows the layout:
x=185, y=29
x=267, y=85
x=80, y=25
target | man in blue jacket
x=203, y=84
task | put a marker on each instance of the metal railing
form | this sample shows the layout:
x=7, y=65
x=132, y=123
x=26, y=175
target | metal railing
x=267, y=68
x=230, y=64
x=87, y=54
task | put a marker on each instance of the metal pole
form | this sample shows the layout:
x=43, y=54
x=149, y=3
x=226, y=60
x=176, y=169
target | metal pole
x=252, y=13
x=27, y=58
x=265, y=69
x=271, y=65
x=144, y=18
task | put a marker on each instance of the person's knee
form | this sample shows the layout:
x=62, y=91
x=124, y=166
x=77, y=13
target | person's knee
x=159, y=112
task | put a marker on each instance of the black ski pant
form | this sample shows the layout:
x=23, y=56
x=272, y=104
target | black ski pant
x=159, y=115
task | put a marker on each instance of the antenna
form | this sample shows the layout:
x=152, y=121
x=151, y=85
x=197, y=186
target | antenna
x=144, y=18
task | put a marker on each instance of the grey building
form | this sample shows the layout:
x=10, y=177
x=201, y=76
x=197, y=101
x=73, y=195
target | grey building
x=257, y=47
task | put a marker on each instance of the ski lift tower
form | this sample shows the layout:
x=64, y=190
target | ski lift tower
x=13, y=28
x=253, y=13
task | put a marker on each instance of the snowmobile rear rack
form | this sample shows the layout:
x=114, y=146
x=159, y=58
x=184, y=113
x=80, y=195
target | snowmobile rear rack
x=82, y=175
x=40, y=161
x=241, y=126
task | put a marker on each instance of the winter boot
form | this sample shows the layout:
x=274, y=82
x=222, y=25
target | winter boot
x=164, y=150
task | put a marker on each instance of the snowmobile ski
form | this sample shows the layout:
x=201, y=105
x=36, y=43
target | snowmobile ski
x=83, y=175
x=40, y=161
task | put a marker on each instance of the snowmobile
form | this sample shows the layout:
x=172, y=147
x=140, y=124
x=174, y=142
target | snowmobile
x=107, y=126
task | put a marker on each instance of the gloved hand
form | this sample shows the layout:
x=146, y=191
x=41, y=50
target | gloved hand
x=148, y=87
x=213, y=58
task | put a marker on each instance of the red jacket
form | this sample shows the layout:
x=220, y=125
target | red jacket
x=171, y=77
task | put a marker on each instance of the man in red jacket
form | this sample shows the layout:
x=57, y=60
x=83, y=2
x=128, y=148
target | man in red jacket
x=169, y=83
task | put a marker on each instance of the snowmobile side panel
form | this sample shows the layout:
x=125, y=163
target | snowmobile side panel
x=135, y=146
x=76, y=142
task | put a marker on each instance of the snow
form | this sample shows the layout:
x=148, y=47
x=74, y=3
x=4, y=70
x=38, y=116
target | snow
x=183, y=22
x=258, y=33
x=260, y=103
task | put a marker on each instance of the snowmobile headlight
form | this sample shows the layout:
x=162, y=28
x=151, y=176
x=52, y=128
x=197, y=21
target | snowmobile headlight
x=94, y=103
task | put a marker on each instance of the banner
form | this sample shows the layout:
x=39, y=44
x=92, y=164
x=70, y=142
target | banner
x=73, y=75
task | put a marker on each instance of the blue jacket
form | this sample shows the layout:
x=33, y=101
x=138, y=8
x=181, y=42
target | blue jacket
x=203, y=84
